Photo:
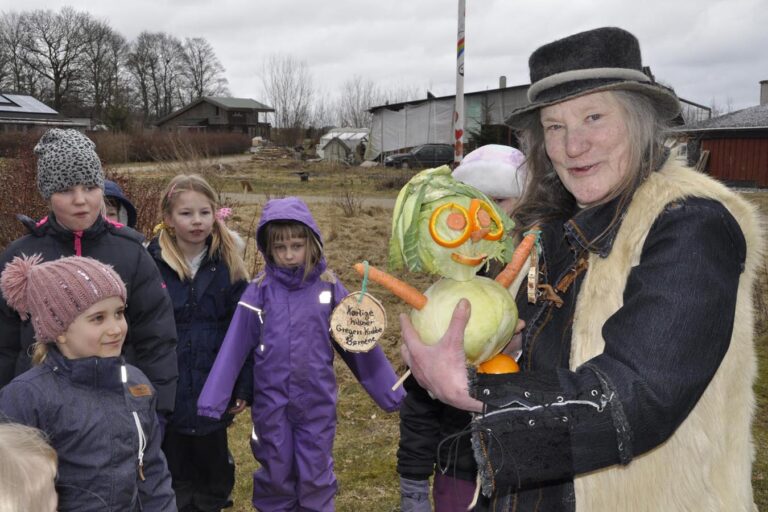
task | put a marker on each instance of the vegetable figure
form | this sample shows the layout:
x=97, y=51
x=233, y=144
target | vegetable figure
x=444, y=227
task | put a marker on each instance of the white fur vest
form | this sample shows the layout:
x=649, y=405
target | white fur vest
x=706, y=465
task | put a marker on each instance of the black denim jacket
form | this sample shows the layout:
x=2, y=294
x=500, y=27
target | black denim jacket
x=547, y=423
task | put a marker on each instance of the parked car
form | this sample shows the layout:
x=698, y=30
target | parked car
x=426, y=155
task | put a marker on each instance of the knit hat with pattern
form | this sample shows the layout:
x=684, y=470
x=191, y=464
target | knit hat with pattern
x=55, y=293
x=66, y=158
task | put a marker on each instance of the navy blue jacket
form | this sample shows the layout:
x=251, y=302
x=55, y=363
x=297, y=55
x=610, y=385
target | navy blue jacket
x=203, y=309
x=89, y=414
x=151, y=341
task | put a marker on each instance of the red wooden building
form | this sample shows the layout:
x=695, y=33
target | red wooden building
x=733, y=147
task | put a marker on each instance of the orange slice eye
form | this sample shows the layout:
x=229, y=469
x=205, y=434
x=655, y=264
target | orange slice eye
x=456, y=221
x=484, y=215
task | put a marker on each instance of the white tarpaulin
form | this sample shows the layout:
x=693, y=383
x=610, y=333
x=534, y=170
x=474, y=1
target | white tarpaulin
x=410, y=126
x=406, y=125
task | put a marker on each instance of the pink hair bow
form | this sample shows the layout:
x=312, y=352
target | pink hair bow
x=223, y=213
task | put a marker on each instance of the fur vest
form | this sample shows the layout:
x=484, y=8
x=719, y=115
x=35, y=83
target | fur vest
x=706, y=464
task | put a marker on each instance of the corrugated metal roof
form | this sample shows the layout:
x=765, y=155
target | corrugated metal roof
x=20, y=103
x=752, y=117
x=228, y=102
x=351, y=137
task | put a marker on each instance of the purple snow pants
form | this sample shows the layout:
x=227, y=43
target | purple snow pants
x=294, y=445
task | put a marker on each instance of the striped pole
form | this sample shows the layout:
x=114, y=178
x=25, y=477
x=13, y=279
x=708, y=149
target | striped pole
x=458, y=113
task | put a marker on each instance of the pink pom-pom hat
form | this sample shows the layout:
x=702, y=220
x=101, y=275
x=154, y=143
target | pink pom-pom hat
x=55, y=293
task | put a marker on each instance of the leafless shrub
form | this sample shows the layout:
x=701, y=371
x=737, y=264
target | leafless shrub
x=18, y=191
x=349, y=202
x=165, y=146
x=394, y=180
x=145, y=194
x=253, y=258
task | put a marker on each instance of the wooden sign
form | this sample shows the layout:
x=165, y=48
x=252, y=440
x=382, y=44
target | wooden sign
x=357, y=324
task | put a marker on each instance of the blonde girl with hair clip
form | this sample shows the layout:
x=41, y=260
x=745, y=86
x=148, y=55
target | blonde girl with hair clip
x=283, y=321
x=200, y=262
x=97, y=411
x=27, y=470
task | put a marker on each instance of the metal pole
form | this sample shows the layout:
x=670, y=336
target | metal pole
x=458, y=113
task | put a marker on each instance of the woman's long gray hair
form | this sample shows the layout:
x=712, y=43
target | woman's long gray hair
x=546, y=198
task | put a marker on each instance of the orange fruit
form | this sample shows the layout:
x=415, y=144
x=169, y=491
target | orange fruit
x=500, y=363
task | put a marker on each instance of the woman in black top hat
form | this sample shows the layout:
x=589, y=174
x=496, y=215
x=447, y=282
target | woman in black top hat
x=637, y=348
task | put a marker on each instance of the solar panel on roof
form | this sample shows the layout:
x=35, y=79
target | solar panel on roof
x=24, y=104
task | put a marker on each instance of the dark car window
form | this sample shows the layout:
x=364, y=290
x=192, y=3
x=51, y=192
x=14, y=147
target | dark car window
x=444, y=154
x=425, y=155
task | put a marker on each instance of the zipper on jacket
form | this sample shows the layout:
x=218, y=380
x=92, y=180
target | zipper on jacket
x=78, y=243
x=139, y=430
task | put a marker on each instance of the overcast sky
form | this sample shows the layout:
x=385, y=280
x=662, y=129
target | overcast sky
x=707, y=50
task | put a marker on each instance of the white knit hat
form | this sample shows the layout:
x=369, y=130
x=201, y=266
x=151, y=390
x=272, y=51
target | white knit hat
x=495, y=170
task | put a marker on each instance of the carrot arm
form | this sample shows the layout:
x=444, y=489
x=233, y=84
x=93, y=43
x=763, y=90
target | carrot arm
x=401, y=289
x=507, y=276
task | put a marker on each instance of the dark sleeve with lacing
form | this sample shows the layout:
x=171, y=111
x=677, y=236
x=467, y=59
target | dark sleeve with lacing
x=545, y=426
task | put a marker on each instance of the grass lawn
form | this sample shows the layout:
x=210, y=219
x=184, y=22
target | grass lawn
x=366, y=441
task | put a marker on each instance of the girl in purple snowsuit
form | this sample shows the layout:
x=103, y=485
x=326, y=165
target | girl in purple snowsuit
x=283, y=319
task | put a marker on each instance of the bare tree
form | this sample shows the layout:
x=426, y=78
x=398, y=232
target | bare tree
x=203, y=72
x=53, y=44
x=719, y=110
x=141, y=63
x=288, y=87
x=155, y=61
x=356, y=97
x=19, y=77
x=101, y=60
x=170, y=53
x=323, y=112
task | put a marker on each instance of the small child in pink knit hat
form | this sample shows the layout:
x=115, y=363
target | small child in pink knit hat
x=98, y=412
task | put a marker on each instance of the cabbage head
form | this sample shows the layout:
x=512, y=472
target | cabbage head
x=491, y=324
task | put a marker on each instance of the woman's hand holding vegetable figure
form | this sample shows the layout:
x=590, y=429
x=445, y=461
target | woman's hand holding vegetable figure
x=442, y=368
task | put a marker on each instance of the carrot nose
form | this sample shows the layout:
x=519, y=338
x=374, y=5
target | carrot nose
x=478, y=234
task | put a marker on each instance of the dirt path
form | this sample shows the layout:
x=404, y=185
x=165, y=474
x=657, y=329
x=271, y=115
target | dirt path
x=382, y=202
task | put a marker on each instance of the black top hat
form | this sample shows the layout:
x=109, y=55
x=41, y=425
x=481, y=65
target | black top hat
x=596, y=60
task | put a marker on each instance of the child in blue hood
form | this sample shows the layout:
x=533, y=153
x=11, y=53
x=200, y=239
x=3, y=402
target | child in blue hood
x=283, y=320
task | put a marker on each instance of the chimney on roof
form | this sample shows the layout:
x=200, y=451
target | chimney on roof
x=764, y=92
x=502, y=82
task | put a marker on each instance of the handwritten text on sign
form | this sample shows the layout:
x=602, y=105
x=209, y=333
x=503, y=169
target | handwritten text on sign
x=357, y=324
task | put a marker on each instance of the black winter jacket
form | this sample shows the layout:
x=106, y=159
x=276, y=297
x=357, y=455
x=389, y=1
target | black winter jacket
x=433, y=437
x=203, y=308
x=151, y=341
x=90, y=415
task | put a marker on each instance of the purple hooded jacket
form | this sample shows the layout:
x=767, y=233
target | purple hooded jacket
x=293, y=359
